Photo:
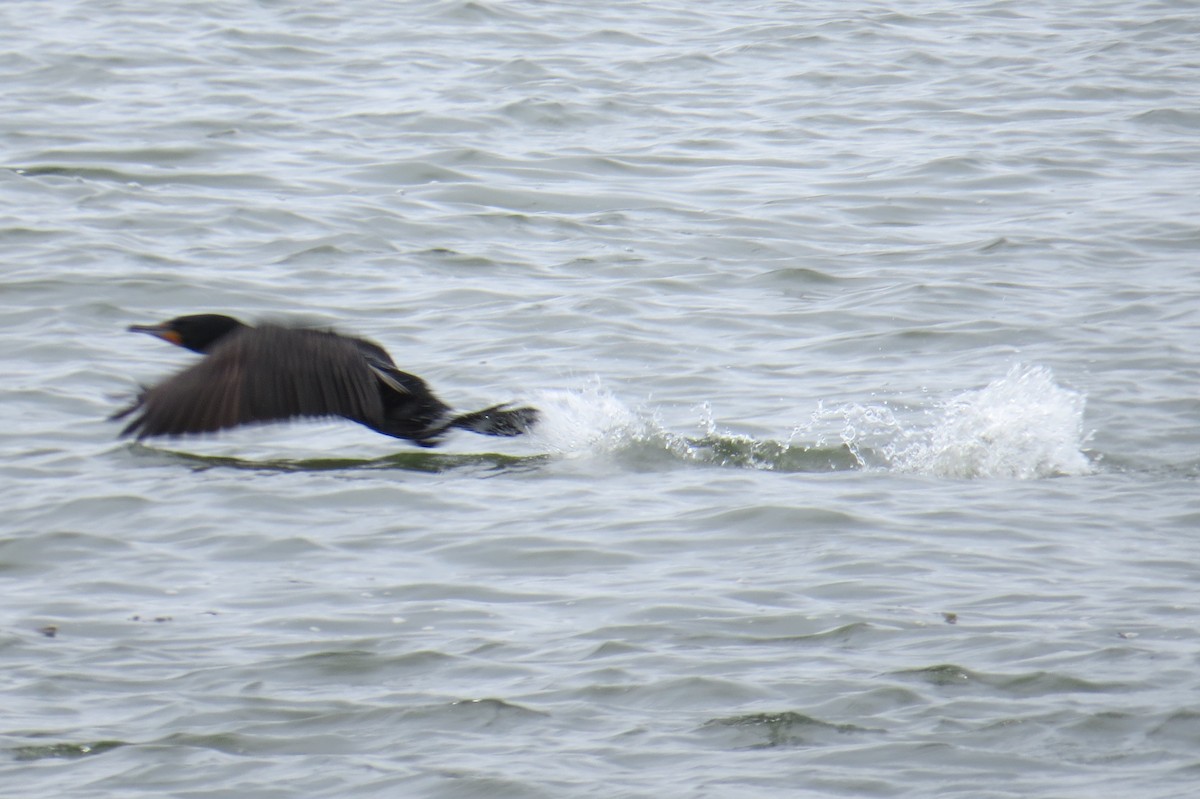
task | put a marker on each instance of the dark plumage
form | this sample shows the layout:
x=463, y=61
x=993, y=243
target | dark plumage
x=272, y=372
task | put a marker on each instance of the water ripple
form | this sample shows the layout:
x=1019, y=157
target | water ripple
x=864, y=336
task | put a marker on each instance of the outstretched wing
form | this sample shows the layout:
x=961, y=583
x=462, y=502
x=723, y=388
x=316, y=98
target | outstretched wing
x=263, y=374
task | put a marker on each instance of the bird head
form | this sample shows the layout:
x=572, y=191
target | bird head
x=198, y=332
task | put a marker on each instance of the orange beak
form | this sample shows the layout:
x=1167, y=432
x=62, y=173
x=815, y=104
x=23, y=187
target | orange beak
x=160, y=331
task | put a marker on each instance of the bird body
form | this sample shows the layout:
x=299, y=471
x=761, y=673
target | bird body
x=273, y=372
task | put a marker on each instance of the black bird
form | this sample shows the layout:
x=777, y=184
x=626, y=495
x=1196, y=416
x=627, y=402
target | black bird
x=272, y=372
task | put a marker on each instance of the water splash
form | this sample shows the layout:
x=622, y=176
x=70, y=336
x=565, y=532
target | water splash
x=593, y=421
x=1023, y=426
x=587, y=420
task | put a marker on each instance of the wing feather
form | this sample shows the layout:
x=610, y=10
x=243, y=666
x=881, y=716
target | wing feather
x=263, y=374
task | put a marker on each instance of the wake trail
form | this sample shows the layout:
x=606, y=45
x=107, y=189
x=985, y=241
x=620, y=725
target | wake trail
x=1020, y=426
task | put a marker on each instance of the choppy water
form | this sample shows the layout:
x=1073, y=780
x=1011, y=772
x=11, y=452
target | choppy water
x=865, y=336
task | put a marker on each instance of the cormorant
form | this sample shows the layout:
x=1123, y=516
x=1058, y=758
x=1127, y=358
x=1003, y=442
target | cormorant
x=272, y=372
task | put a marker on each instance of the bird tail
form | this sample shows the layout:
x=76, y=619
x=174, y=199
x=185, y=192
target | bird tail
x=497, y=421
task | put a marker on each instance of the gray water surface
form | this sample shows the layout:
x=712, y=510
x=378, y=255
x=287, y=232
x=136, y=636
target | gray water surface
x=865, y=337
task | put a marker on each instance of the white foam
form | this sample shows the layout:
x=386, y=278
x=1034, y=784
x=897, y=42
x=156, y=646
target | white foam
x=591, y=419
x=1023, y=425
